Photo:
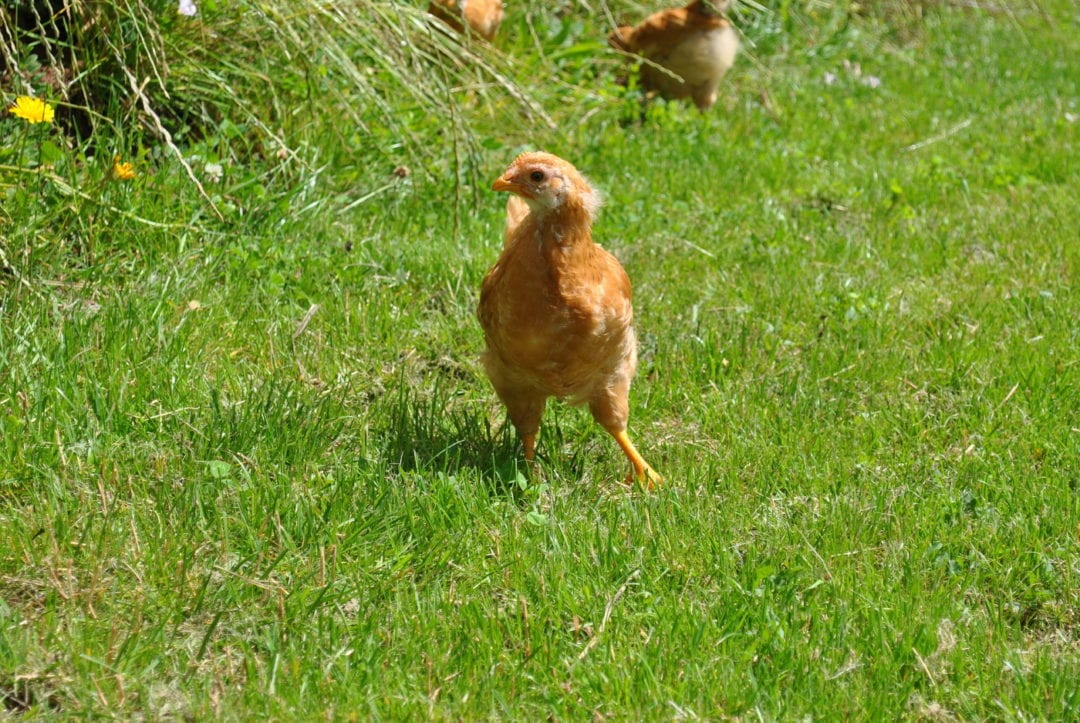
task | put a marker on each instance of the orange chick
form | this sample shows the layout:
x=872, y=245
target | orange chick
x=694, y=47
x=556, y=309
x=482, y=16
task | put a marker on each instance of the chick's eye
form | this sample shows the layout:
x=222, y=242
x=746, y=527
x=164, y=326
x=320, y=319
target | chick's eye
x=537, y=176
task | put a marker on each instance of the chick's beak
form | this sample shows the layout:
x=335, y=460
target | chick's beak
x=503, y=183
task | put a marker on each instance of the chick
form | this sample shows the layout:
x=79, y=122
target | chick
x=695, y=43
x=482, y=16
x=556, y=309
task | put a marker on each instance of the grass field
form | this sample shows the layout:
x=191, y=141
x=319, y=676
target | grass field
x=250, y=465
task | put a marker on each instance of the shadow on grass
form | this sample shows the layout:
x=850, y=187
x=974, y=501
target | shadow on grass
x=432, y=432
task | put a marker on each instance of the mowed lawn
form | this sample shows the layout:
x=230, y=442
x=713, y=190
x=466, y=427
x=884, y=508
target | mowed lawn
x=251, y=467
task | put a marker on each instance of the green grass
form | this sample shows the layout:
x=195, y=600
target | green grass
x=860, y=377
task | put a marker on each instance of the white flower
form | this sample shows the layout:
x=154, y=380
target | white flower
x=187, y=7
x=214, y=172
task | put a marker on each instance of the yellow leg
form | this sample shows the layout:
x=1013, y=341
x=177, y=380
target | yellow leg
x=641, y=472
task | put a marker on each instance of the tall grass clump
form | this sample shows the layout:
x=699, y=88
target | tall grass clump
x=312, y=104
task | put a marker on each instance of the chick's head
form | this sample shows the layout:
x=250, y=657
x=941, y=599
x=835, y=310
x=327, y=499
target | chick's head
x=546, y=183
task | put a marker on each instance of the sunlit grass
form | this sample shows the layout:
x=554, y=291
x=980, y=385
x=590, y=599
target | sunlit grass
x=249, y=465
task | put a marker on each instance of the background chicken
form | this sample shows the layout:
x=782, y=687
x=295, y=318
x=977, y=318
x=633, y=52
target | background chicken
x=556, y=308
x=696, y=43
x=482, y=16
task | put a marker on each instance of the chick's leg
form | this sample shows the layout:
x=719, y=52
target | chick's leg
x=525, y=410
x=611, y=411
x=641, y=471
x=528, y=443
x=524, y=406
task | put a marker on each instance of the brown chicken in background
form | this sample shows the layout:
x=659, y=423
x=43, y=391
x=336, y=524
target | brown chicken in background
x=696, y=43
x=482, y=16
x=556, y=310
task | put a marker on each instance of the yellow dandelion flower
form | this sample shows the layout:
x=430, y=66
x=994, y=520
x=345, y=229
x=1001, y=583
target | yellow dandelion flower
x=33, y=110
x=123, y=171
